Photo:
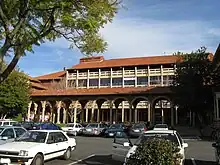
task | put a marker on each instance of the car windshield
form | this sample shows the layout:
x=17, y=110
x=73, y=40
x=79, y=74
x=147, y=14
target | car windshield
x=149, y=136
x=137, y=126
x=92, y=125
x=115, y=126
x=70, y=125
x=33, y=136
x=161, y=126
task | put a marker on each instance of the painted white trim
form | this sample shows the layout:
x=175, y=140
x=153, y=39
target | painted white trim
x=80, y=160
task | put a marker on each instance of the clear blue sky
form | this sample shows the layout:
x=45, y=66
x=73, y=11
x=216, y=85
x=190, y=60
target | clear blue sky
x=141, y=28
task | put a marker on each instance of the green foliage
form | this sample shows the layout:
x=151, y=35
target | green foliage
x=156, y=152
x=18, y=118
x=24, y=23
x=14, y=93
x=194, y=81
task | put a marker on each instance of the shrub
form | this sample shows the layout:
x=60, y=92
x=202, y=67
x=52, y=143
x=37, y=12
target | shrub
x=156, y=152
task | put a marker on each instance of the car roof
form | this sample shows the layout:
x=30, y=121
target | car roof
x=160, y=131
x=46, y=131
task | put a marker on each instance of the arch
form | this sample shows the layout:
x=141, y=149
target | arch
x=118, y=100
x=137, y=99
x=161, y=98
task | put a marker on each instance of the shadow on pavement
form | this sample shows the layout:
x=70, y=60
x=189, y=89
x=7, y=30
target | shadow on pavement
x=204, y=162
x=99, y=160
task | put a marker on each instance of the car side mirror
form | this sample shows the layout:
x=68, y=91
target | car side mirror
x=185, y=145
x=126, y=144
x=214, y=145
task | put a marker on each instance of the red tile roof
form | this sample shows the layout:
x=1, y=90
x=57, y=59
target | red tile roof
x=38, y=85
x=102, y=91
x=55, y=75
x=137, y=61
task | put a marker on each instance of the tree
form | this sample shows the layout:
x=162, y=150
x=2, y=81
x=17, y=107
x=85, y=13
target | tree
x=14, y=94
x=193, y=82
x=25, y=23
x=155, y=152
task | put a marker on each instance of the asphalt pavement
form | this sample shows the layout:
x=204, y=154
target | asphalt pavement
x=97, y=151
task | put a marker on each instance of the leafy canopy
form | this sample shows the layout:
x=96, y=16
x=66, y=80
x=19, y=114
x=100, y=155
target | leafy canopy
x=195, y=77
x=24, y=23
x=14, y=93
x=156, y=152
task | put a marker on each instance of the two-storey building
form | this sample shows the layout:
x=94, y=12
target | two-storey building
x=120, y=90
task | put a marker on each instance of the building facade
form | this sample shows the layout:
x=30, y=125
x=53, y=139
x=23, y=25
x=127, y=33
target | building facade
x=116, y=90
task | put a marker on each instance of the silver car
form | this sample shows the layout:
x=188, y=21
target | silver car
x=10, y=133
x=96, y=129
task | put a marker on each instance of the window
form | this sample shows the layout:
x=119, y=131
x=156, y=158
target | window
x=116, y=81
x=60, y=137
x=5, y=123
x=82, y=83
x=105, y=82
x=93, y=82
x=129, y=82
x=155, y=80
x=8, y=133
x=19, y=131
x=51, y=138
x=168, y=80
x=142, y=81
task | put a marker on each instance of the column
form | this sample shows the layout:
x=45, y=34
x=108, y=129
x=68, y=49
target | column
x=92, y=115
x=77, y=78
x=172, y=116
x=99, y=83
x=111, y=106
x=87, y=114
x=29, y=111
x=135, y=115
x=123, y=112
x=58, y=115
x=149, y=112
x=98, y=115
x=148, y=75
x=176, y=109
x=162, y=116
x=161, y=72
x=123, y=75
x=75, y=115
x=135, y=71
x=64, y=115
x=53, y=116
x=35, y=108
x=88, y=79
x=111, y=78
x=130, y=113
x=43, y=110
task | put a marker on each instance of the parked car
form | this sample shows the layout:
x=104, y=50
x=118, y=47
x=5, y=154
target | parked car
x=7, y=122
x=46, y=126
x=212, y=130
x=123, y=148
x=95, y=129
x=216, y=146
x=137, y=129
x=111, y=131
x=36, y=146
x=72, y=128
x=27, y=125
x=10, y=133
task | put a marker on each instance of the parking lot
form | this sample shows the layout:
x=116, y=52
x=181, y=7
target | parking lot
x=97, y=151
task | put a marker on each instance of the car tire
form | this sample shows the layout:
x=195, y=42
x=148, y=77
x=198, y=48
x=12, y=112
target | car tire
x=38, y=160
x=67, y=154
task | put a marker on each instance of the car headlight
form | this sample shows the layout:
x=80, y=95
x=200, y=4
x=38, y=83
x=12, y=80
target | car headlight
x=23, y=153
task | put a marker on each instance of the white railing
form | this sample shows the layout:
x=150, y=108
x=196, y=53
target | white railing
x=93, y=74
x=129, y=72
x=117, y=73
x=105, y=73
x=142, y=72
x=155, y=71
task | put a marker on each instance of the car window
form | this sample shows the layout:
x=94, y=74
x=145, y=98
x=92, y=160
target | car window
x=19, y=131
x=5, y=123
x=76, y=126
x=51, y=138
x=138, y=126
x=8, y=133
x=115, y=126
x=60, y=137
x=92, y=125
x=80, y=126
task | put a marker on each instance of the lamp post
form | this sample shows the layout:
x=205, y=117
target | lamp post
x=176, y=113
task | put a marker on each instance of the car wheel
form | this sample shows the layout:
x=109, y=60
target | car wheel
x=67, y=154
x=38, y=160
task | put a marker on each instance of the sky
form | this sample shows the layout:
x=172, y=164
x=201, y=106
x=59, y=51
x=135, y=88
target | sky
x=141, y=28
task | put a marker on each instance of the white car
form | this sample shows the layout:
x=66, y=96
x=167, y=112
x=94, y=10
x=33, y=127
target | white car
x=36, y=146
x=123, y=148
x=72, y=128
x=161, y=127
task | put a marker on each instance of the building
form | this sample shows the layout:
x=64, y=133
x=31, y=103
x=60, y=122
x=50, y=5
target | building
x=120, y=90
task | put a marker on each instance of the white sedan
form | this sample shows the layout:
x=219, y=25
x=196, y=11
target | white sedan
x=34, y=147
x=72, y=128
x=122, y=147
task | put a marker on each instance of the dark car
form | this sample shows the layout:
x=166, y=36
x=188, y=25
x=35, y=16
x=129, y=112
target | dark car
x=47, y=126
x=137, y=129
x=27, y=125
x=216, y=146
x=113, y=129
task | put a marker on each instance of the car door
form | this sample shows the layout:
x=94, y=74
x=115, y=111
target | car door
x=119, y=149
x=51, y=150
x=9, y=134
x=62, y=142
x=19, y=132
